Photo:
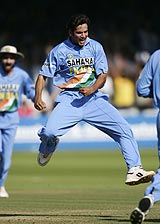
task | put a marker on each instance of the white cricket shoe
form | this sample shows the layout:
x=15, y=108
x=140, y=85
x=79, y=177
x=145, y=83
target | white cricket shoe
x=138, y=214
x=43, y=159
x=137, y=175
x=3, y=192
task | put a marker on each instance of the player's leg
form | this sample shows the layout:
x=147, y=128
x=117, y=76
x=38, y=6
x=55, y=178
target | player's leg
x=108, y=119
x=7, y=140
x=158, y=133
x=139, y=213
x=151, y=196
x=152, y=192
x=61, y=120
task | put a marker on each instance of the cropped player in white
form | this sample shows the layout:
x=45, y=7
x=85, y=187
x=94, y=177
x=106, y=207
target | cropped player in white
x=79, y=67
x=14, y=82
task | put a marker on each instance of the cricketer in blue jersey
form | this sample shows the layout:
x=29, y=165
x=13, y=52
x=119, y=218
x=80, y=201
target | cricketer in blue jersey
x=78, y=66
x=148, y=85
x=14, y=82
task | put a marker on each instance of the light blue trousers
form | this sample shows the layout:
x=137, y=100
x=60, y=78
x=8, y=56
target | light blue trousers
x=8, y=127
x=72, y=107
x=154, y=187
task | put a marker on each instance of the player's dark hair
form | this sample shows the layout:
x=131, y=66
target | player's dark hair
x=77, y=20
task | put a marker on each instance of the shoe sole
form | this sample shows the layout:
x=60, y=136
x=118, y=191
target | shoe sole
x=138, y=215
x=2, y=196
x=41, y=156
x=143, y=180
x=44, y=157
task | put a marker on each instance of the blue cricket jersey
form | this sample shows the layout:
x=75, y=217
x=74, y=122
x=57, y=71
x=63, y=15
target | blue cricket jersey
x=148, y=83
x=72, y=66
x=12, y=87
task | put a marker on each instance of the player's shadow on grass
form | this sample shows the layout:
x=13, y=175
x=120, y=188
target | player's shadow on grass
x=107, y=218
x=102, y=217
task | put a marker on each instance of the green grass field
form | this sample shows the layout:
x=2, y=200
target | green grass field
x=76, y=187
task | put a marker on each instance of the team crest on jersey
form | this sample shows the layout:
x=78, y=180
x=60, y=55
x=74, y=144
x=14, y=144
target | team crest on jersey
x=70, y=56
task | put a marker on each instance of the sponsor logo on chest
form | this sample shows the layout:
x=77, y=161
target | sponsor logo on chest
x=80, y=61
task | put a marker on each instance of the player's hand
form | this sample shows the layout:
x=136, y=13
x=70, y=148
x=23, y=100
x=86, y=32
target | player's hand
x=86, y=91
x=40, y=105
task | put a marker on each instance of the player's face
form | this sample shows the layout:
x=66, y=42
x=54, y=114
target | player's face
x=79, y=35
x=8, y=62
